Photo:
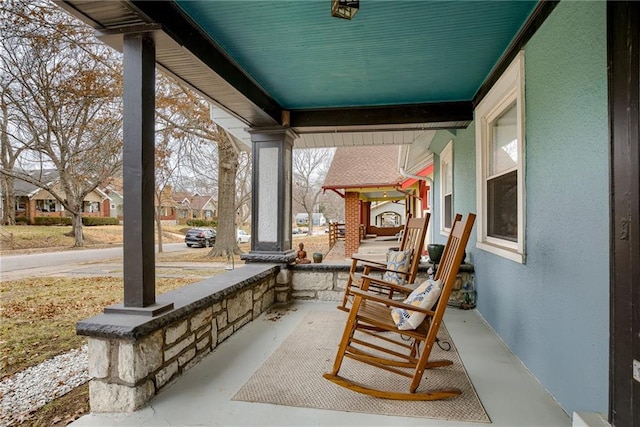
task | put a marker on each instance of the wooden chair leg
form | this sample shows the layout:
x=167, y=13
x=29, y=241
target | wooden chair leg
x=350, y=280
x=349, y=330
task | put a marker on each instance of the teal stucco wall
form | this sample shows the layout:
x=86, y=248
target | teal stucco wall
x=553, y=311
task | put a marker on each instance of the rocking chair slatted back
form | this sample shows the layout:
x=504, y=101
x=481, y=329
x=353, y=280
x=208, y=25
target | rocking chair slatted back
x=413, y=237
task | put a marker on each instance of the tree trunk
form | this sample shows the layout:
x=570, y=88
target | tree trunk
x=310, y=223
x=8, y=161
x=159, y=226
x=228, y=165
x=76, y=223
x=8, y=200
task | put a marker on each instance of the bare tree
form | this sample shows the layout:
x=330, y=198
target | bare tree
x=332, y=206
x=186, y=114
x=243, y=188
x=65, y=94
x=9, y=153
x=227, y=168
x=310, y=167
x=174, y=137
x=164, y=171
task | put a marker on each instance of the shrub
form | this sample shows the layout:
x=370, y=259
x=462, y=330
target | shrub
x=22, y=220
x=99, y=220
x=51, y=220
x=202, y=223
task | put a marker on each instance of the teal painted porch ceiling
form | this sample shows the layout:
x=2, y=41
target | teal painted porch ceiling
x=391, y=53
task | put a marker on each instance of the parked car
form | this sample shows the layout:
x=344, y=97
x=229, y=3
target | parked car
x=242, y=236
x=296, y=230
x=203, y=237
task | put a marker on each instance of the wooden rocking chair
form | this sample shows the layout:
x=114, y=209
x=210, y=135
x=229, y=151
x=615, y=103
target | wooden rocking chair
x=412, y=239
x=370, y=315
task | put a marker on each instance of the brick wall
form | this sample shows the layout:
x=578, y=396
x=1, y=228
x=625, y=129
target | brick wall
x=352, y=223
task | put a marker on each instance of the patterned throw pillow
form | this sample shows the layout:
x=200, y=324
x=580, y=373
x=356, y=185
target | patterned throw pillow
x=399, y=261
x=424, y=296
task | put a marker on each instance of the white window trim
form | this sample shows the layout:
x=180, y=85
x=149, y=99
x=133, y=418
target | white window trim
x=446, y=156
x=508, y=88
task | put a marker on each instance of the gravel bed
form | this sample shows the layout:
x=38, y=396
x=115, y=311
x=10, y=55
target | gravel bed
x=26, y=391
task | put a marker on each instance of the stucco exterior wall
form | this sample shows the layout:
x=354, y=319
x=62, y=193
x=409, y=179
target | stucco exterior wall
x=553, y=311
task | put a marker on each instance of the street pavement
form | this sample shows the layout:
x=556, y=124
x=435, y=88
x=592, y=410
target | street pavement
x=83, y=262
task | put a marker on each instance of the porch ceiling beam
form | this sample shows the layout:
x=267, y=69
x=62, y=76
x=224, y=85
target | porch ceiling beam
x=438, y=112
x=184, y=32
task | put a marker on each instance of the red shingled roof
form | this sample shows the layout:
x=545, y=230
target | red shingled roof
x=370, y=166
x=198, y=202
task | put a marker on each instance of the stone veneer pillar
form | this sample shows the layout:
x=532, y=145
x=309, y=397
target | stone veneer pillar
x=352, y=223
x=271, y=216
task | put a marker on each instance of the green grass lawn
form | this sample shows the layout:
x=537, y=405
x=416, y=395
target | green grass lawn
x=38, y=237
x=38, y=315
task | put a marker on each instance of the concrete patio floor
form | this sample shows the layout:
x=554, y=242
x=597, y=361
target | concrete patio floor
x=202, y=396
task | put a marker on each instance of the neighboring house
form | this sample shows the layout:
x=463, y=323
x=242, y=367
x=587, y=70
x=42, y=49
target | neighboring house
x=388, y=213
x=32, y=201
x=202, y=207
x=187, y=206
x=168, y=206
x=114, y=189
x=318, y=218
x=366, y=177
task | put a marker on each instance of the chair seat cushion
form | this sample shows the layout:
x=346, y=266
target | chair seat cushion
x=424, y=296
x=400, y=261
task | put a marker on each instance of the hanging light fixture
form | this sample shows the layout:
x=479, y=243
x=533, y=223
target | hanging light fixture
x=345, y=9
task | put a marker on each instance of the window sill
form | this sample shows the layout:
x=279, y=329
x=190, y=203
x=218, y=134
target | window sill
x=503, y=252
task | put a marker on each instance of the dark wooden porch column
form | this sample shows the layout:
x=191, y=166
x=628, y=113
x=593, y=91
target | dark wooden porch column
x=271, y=196
x=623, y=50
x=138, y=176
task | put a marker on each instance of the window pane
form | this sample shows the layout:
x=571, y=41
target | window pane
x=448, y=177
x=504, y=142
x=447, y=211
x=502, y=207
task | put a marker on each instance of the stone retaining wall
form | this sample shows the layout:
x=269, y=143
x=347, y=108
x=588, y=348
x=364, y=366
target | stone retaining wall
x=323, y=284
x=132, y=357
x=326, y=282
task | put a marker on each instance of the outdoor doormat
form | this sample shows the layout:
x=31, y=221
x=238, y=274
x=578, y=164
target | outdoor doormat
x=292, y=376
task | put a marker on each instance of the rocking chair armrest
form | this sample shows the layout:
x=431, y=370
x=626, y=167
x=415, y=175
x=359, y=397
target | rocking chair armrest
x=384, y=268
x=379, y=282
x=362, y=258
x=366, y=269
x=372, y=265
x=358, y=293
